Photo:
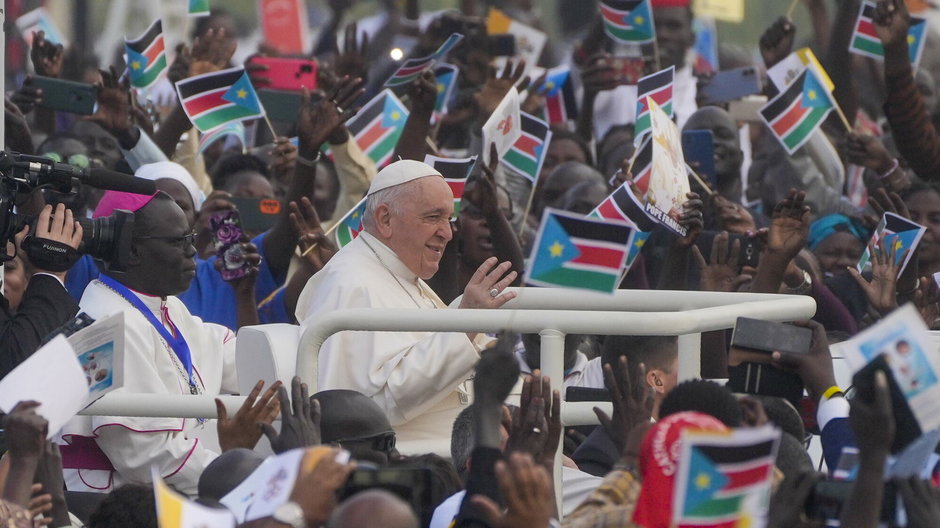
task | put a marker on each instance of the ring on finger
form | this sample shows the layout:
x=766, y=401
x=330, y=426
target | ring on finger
x=494, y=292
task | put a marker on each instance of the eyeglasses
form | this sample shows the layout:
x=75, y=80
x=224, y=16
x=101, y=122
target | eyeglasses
x=184, y=241
x=384, y=442
x=79, y=160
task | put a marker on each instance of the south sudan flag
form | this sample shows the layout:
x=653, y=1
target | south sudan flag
x=146, y=56
x=215, y=99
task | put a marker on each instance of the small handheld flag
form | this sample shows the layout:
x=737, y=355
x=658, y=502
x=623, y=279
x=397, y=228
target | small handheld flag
x=504, y=126
x=39, y=20
x=377, y=127
x=411, y=68
x=795, y=113
x=455, y=172
x=146, y=56
x=198, y=8
x=350, y=225
x=898, y=234
x=628, y=21
x=561, y=104
x=235, y=129
x=215, y=99
x=445, y=79
x=865, y=40
x=527, y=154
x=724, y=478
x=575, y=251
x=624, y=206
x=658, y=87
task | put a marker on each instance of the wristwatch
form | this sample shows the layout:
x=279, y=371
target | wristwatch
x=291, y=514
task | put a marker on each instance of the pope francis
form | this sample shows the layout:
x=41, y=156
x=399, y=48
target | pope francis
x=415, y=377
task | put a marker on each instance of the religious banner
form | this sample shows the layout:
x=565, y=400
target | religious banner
x=504, y=127
x=669, y=180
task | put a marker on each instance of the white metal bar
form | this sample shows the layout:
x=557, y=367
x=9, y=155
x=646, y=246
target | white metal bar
x=770, y=307
x=161, y=405
x=690, y=356
x=552, y=364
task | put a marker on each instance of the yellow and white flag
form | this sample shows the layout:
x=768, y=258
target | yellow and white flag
x=176, y=511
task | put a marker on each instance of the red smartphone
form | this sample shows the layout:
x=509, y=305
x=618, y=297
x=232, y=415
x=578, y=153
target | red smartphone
x=629, y=69
x=286, y=73
x=227, y=234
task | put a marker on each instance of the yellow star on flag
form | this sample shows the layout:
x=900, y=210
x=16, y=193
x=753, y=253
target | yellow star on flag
x=396, y=115
x=811, y=94
x=356, y=214
x=241, y=94
x=556, y=249
x=703, y=481
x=911, y=39
x=440, y=88
x=135, y=65
x=638, y=19
x=640, y=243
x=898, y=245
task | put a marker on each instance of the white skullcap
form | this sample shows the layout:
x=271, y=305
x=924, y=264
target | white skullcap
x=168, y=170
x=402, y=171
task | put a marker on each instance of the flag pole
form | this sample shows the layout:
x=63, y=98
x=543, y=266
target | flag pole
x=326, y=233
x=270, y=127
x=845, y=121
x=792, y=8
x=700, y=181
x=528, y=207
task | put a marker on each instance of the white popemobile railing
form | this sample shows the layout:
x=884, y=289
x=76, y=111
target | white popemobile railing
x=552, y=313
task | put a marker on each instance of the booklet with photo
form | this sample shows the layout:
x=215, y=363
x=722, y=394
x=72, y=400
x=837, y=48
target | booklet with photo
x=669, y=179
x=899, y=234
x=100, y=351
x=903, y=340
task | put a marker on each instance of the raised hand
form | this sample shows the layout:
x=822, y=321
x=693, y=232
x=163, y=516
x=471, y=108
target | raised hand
x=527, y=489
x=721, y=273
x=631, y=398
x=814, y=368
x=55, y=225
x=788, y=503
x=885, y=268
x=250, y=255
x=777, y=42
x=216, y=202
x=283, y=159
x=114, y=103
x=423, y=93
x=873, y=421
x=487, y=285
x=25, y=430
x=28, y=96
x=317, y=248
x=244, y=428
x=47, y=57
x=315, y=490
x=789, y=226
x=692, y=219
x=319, y=120
x=300, y=419
x=496, y=87
x=598, y=75
x=211, y=52
x=869, y=152
x=351, y=61
x=892, y=22
x=927, y=300
x=888, y=202
x=921, y=502
x=483, y=191
x=496, y=373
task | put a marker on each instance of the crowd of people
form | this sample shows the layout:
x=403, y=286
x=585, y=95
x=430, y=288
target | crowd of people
x=465, y=424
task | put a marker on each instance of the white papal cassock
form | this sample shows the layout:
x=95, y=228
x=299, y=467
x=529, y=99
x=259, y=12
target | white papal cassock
x=132, y=445
x=415, y=377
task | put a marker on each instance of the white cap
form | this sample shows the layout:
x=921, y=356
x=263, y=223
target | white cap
x=402, y=171
x=173, y=171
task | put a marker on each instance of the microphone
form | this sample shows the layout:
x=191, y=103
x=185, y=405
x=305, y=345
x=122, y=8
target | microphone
x=117, y=181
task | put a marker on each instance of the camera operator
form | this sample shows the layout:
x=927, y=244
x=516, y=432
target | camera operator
x=46, y=304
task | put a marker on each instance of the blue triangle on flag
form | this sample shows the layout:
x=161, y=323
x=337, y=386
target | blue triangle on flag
x=900, y=242
x=442, y=82
x=243, y=94
x=393, y=114
x=555, y=248
x=814, y=93
x=704, y=481
x=555, y=82
x=915, y=37
x=136, y=63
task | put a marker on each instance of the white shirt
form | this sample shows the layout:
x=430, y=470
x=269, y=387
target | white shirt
x=585, y=372
x=412, y=376
x=133, y=444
